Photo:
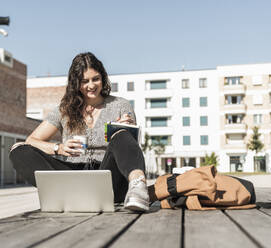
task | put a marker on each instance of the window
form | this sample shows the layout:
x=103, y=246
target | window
x=203, y=101
x=204, y=120
x=159, y=103
x=114, y=87
x=185, y=83
x=203, y=82
x=186, y=102
x=234, y=99
x=158, y=122
x=130, y=86
x=165, y=140
x=186, y=121
x=132, y=102
x=234, y=119
x=233, y=80
x=235, y=164
x=158, y=85
x=186, y=140
x=204, y=139
x=257, y=118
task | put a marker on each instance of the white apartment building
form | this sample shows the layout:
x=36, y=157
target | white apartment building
x=194, y=112
x=179, y=106
x=245, y=101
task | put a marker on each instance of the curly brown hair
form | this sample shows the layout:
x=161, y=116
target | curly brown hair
x=72, y=103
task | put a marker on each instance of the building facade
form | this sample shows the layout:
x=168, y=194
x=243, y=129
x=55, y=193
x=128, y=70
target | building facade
x=14, y=126
x=245, y=102
x=194, y=113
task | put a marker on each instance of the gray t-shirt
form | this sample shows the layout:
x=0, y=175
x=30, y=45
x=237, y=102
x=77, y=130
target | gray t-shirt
x=113, y=108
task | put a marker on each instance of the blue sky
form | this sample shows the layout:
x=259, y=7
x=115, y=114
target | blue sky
x=131, y=36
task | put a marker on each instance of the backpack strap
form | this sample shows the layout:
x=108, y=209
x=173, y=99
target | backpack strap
x=171, y=185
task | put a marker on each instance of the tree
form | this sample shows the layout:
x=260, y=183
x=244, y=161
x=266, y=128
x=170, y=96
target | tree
x=146, y=145
x=156, y=145
x=255, y=143
x=159, y=148
x=210, y=160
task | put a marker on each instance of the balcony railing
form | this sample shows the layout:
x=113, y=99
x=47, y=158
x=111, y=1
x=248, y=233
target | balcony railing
x=158, y=93
x=239, y=145
x=158, y=112
x=235, y=108
x=234, y=89
x=159, y=131
x=235, y=128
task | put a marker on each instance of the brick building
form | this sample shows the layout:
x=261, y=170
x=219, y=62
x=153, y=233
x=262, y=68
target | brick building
x=14, y=125
x=41, y=100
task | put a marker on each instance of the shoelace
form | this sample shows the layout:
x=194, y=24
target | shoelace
x=135, y=182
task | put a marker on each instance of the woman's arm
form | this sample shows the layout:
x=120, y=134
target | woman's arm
x=40, y=136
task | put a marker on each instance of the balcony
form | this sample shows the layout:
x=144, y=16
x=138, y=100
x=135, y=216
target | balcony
x=237, y=145
x=158, y=93
x=235, y=128
x=159, y=131
x=235, y=108
x=234, y=89
x=158, y=112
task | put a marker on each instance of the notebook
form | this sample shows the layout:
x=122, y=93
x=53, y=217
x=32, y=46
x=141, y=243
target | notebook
x=112, y=127
x=75, y=191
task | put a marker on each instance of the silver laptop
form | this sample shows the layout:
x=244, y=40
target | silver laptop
x=75, y=191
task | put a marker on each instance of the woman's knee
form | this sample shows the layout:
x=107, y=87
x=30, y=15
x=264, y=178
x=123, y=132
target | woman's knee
x=17, y=145
x=118, y=132
x=123, y=136
x=19, y=150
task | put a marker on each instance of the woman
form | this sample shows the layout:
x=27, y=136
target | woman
x=84, y=109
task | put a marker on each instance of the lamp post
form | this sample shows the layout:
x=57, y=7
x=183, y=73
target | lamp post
x=4, y=21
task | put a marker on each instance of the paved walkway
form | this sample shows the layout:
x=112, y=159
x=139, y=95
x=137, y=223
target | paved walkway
x=259, y=181
x=18, y=200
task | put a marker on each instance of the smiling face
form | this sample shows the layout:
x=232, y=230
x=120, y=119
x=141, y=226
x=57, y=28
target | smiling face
x=91, y=85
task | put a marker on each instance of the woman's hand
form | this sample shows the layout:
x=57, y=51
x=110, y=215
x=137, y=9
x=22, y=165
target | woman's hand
x=126, y=118
x=70, y=148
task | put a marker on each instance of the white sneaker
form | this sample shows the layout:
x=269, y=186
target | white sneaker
x=137, y=197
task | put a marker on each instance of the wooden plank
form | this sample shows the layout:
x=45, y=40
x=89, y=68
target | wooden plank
x=263, y=194
x=23, y=231
x=15, y=222
x=157, y=229
x=95, y=232
x=263, y=198
x=213, y=229
x=256, y=224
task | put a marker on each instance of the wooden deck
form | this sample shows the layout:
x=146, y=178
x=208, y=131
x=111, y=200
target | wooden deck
x=158, y=228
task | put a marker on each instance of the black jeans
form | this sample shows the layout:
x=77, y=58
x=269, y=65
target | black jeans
x=122, y=156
